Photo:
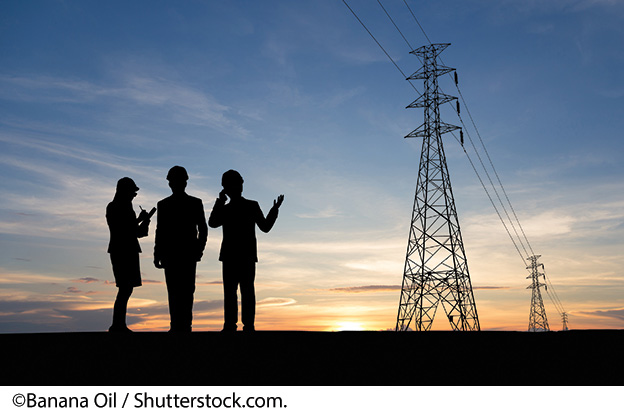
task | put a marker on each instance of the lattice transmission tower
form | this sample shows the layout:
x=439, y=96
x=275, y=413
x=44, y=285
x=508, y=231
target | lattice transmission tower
x=436, y=270
x=537, y=317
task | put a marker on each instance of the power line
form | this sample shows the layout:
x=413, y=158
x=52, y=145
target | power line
x=463, y=124
x=495, y=172
x=490, y=198
x=554, y=297
x=477, y=153
x=495, y=190
x=526, y=253
x=511, y=222
x=379, y=44
x=397, y=28
x=417, y=22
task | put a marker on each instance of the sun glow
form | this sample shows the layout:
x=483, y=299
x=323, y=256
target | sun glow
x=349, y=326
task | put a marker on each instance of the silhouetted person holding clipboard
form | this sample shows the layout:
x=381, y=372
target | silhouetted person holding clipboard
x=181, y=234
x=239, y=252
x=125, y=230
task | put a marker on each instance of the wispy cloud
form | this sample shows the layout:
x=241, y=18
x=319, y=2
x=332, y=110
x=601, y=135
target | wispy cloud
x=358, y=243
x=275, y=302
x=541, y=8
x=152, y=282
x=69, y=153
x=11, y=277
x=208, y=305
x=188, y=105
x=182, y=103
x=329, y=212
x=370, y=288
x=67, y=193
x=213, y=283
x=86, y=280
x=611, y=313
x=341, y=97
x=395, y=288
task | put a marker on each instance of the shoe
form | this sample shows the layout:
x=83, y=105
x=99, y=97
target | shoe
x=229, y=329
x=249, y=329
x=119, y=329
x=181, y=330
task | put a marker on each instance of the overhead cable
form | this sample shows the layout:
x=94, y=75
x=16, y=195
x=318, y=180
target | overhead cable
x=379, y=44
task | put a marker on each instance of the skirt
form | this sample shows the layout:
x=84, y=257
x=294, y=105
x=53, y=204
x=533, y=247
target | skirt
x=126, y=269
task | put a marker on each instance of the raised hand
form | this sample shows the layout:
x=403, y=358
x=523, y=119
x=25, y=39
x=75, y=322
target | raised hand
x=277, y=203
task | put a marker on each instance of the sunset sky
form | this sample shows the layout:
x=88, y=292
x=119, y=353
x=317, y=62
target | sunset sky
x=300, y=100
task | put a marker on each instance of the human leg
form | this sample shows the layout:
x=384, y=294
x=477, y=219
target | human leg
x=127, y=276
x=248, y=295
x=187, y=294
x=180, y=279
x=171, y=274
x=119, y=310
x=230, y=299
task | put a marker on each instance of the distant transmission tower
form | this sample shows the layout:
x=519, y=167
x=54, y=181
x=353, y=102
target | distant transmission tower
x=564, y=318
x=537, y=318
x=435, y=270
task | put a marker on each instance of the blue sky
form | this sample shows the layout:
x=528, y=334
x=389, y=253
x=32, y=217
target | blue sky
x=299, y=99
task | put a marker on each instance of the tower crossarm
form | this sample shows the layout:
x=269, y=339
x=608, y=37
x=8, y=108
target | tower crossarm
x=433, y=49
x=425, y=100
x=423, y=130
x=426, y=73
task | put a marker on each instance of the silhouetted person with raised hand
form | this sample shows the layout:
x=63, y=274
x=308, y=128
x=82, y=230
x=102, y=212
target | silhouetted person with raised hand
x=239, y=252
x=125, y=230
x=181, y=234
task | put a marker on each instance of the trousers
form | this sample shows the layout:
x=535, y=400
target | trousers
x=180, y=279
x=237, y=274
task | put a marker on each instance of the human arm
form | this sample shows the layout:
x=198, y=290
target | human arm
x=216, y=216
x=158, y=241
x=266, y=224
x=202, y=232
x=143, y=222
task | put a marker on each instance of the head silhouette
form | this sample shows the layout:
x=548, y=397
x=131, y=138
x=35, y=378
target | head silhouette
x=232, y=182
x=126, y=189
x=177, y=178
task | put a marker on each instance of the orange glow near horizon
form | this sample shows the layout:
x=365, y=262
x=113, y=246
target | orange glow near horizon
x=349, y=326
x=307, y=309
x=316, y=323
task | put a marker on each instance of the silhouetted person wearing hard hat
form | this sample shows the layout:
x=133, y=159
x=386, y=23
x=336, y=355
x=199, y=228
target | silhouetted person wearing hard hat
x=125, y=230
x=181, y=234
x=239, y=252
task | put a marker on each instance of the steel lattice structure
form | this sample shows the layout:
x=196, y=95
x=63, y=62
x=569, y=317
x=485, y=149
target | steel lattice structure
x=436, y=270
x=537, y=317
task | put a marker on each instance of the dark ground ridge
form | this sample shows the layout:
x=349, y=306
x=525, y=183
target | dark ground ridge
x=383, y=358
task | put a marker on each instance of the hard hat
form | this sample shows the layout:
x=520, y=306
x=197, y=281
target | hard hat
x=231, y=177
x=177, y=173
x=126, y=184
